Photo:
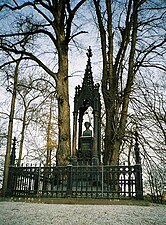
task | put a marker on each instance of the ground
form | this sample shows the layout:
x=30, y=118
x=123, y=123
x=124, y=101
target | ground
x=23, y=213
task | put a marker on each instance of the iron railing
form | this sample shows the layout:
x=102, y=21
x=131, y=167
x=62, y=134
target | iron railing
x=76, y=181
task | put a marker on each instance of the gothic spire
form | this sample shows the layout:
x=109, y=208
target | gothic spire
x=88, y=79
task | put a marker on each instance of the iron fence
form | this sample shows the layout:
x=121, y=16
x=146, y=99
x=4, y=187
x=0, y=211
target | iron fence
x=76, y=181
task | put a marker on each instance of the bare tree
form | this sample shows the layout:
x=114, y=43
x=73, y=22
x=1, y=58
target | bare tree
x=54, y=26
x=132, y=36
x=30, y=93
x=3, y=138
x=10, y=127
x=148, y=105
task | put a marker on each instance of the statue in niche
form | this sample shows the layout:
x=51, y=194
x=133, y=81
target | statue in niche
x=87, y=132
x=86, y=141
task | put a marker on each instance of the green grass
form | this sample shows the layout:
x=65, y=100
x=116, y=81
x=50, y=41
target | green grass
x=80, y=201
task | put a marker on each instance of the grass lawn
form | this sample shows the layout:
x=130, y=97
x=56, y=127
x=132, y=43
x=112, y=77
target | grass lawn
x=79, y=201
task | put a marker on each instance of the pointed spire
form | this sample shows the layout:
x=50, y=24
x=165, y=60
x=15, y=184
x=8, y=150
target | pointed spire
x=89, y=53
x=88, y=79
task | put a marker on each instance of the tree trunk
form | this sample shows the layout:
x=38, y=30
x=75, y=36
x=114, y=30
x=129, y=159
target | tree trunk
x=116, y=97
x=49, y=146
x=10, y=130
x=22, y=137
x=64, y=143
x=56, y=19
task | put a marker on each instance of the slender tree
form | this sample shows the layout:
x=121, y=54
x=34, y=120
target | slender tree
x=10, y=128
x=149, y=106
x=29, y=93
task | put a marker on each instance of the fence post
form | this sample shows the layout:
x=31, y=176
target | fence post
x=13, y=152
x=138, y=182
x=38, y=180
x=10, y=183
x=138, y=170
x=102, y=180
x=69, y=181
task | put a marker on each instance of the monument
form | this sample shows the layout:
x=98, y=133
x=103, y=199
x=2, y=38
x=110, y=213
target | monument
x=86, y=147
x=87, y=177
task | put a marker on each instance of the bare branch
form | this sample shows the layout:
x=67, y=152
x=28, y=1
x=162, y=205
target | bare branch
x=30, y=56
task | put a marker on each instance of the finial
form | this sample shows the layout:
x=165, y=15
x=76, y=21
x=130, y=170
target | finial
x=89, y=53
